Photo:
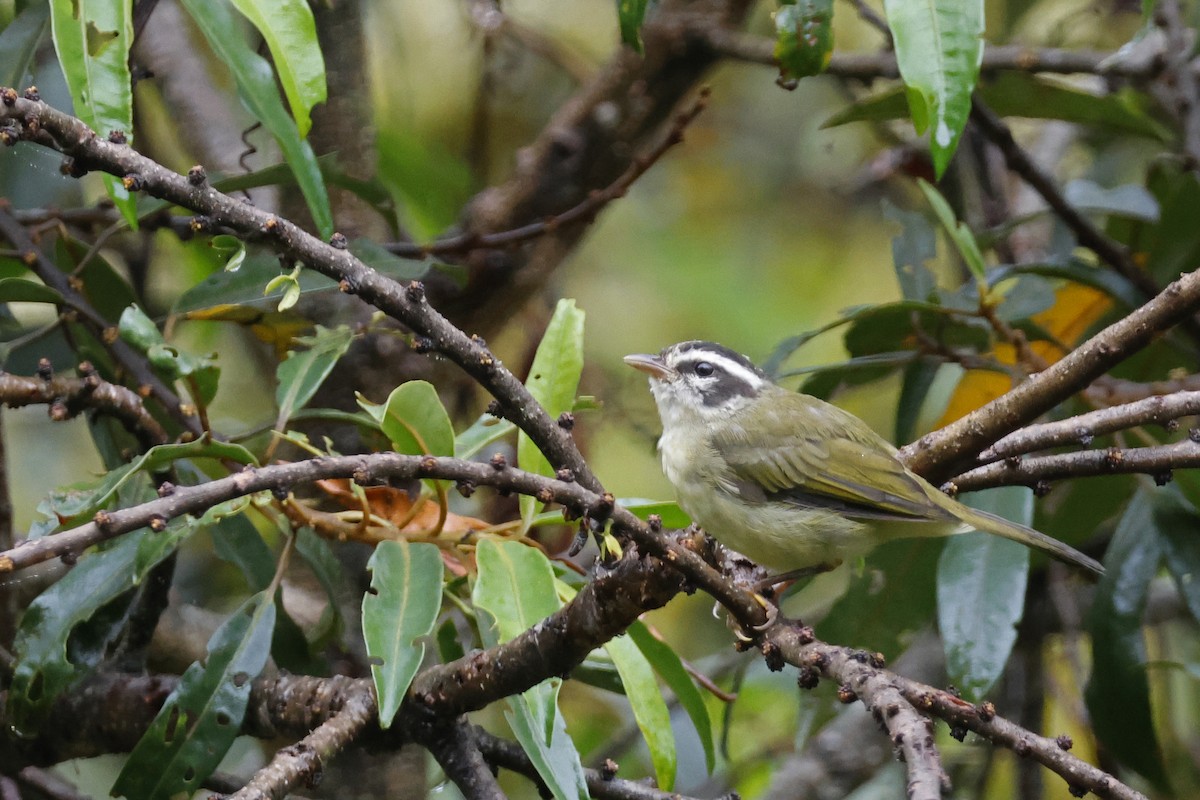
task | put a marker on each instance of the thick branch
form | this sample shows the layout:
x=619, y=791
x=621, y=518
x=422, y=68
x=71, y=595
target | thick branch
x=455, y=747
x=301, y=764
x=945, y=452
x=68, y=396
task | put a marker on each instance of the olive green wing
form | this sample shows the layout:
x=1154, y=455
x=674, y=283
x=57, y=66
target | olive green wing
x=813, y=454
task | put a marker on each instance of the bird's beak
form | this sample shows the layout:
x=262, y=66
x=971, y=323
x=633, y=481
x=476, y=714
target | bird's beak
x=652, y=366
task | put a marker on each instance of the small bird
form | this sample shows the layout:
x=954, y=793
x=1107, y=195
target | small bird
x=790, y=481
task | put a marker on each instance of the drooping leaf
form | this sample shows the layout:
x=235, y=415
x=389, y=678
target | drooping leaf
x=553, y=380
x=93, y=41
x=670, y=668
x=939, y=47
x=305, y=370
x=399, y=609
x=429, y=182
x=201, y=372
x=649, y=709
x=1118, y=692
x=981, y=594
x=919, y=378
x=19, y=43
x=960, y=235
x=43, y=669
x=201, y=718
x=915, y=245
x=889, y=599
x=288, y=28
x=803, y=37
x=1177, y=522
x=256, y=85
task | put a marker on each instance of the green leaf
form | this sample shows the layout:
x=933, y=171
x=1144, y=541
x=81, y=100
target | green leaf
x=236, y=540
x=43, y=669
x=649, y=707
x=449, y=647
x=939, y=46
x=1177, y=521
x=93, y=41
x=288, y=28
x=19, y=42
x=202, y=372
x=554, y=756
x=231, y=248
x=981, y=594
x=1118, y=693
x=201, y=718
x=1018, y=94
x=919, y=378
x=20, y=290
x=915, y=245
x=256, y=85
x=803, y=37
x=414, y=420
x=303, y=372
x=83, y=501
x=399, y=608
x=484, y=431
x=630, y=15
x=670, y=668
x=513, y=592
x=553, y=380
x=960, y=234
x=321, y=560
x=430, y=183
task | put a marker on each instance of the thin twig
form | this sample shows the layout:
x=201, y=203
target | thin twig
x=1081, y=429
x=585, y=211
x=865, y=675
x=1159, y=461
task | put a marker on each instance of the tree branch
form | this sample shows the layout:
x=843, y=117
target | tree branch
x=879, y=689
x=67, y=397
x=101, y=328
x=945, y=452
x=1159, y=461
x=1080, y=430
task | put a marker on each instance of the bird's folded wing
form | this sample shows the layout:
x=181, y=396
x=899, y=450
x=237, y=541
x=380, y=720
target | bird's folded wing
x=856, y=478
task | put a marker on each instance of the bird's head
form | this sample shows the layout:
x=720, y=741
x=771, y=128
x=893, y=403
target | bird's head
x=700, y=379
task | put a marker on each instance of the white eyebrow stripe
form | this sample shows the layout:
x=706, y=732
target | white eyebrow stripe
x=734, y=368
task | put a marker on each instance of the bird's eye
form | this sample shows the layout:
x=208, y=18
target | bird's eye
x=704, y=369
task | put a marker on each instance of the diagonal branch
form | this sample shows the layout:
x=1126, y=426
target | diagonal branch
x=946, y=452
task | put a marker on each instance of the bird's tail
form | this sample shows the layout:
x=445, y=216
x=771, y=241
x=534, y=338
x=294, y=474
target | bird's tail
x=981, y=520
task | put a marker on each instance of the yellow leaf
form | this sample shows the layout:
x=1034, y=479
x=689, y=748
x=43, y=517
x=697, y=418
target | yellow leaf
x=1076, y=308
